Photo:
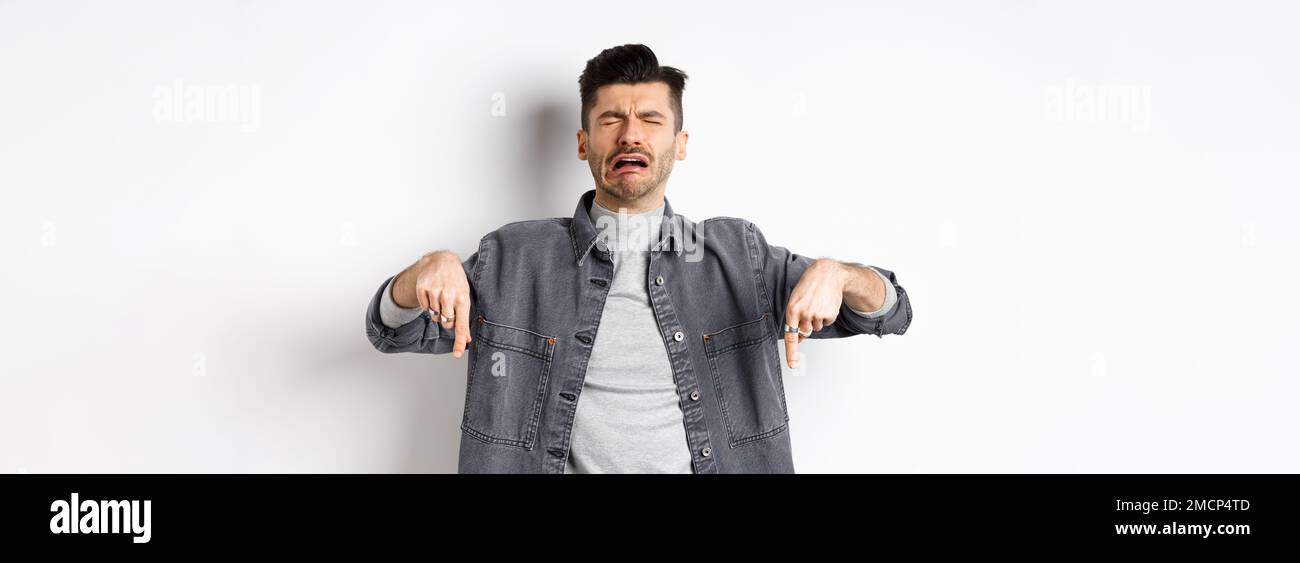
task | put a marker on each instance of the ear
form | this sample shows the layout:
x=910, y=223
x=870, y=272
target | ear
x=682, y=137
x=582, y=145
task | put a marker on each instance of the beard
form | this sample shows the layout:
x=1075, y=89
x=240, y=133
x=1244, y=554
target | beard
x=631, y=187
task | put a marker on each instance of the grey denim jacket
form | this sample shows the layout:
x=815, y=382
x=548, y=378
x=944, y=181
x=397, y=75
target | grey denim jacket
x=538, y=288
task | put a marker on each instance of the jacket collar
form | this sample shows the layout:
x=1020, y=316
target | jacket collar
x=582, y=232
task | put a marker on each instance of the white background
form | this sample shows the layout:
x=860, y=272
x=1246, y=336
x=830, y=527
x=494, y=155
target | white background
x=1097, y=288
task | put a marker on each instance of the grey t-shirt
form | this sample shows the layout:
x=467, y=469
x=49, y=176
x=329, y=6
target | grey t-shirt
x=628, y=419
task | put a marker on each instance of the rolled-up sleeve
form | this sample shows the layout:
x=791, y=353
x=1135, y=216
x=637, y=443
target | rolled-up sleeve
x=415, y=335
x=892, y=318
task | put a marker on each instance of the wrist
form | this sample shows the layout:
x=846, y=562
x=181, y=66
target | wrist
x=863, y=287
x=403, y=291
x=839, y=270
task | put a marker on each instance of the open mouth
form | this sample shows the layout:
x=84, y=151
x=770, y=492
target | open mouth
x=629, y=164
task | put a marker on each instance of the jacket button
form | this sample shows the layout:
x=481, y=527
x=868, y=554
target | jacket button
x=706, y=452
x=695, y=395
x=678, y=336
x=659, y=280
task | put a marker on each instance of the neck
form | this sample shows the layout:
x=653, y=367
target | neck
x=651, y=200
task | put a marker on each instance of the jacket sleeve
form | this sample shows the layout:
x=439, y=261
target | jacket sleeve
x=421, y=334
x=780, y=270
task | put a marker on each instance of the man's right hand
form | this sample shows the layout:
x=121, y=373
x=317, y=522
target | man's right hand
x=437, y=282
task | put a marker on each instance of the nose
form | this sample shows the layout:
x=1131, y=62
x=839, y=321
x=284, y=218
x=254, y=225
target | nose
x=632, y=134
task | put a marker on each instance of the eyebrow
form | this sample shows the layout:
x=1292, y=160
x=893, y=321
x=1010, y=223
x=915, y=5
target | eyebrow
x=623, y=115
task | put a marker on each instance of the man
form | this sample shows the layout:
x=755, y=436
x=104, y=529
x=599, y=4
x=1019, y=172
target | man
x=628, y=339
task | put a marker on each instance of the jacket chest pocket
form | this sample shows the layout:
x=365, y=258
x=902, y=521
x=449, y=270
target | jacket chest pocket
x=508, y=369
x=747, y=380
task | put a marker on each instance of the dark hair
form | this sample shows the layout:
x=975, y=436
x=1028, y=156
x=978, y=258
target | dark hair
x=629, y=64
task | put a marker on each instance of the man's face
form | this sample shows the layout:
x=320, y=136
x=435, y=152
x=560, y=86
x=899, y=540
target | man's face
x=631, y=122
